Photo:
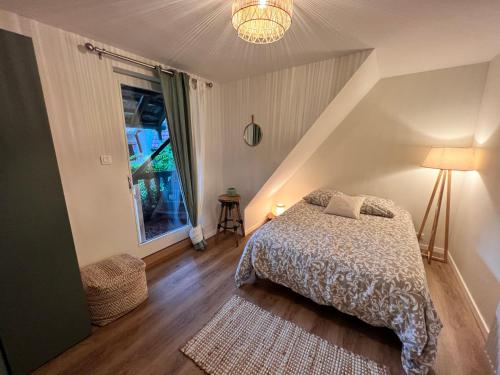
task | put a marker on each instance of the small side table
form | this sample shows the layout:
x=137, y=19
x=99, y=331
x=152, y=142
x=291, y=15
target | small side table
x=230, y=216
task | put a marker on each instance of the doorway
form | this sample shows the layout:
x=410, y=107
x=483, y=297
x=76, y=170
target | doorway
x=154, y=181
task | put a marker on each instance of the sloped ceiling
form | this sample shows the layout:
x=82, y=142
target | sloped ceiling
x=197, y=36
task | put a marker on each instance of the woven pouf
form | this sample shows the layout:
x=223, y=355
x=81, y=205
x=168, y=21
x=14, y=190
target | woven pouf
x=114, y=287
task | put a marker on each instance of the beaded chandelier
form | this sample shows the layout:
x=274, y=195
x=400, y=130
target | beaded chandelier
x=262, y=21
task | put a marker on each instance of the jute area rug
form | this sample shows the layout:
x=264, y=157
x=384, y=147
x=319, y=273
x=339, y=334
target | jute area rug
x=244, y=339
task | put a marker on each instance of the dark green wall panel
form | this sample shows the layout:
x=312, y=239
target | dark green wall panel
x=43, y=309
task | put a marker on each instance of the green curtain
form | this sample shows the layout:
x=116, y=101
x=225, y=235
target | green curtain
x=175, y=90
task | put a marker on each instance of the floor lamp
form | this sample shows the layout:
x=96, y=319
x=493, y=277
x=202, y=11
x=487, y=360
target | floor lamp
x=446, y=160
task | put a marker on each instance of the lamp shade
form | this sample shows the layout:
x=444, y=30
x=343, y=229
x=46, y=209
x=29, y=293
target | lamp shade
x=279, y=208
x=452, y=158
x=262, y=21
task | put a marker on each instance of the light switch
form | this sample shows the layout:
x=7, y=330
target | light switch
x=106, y=160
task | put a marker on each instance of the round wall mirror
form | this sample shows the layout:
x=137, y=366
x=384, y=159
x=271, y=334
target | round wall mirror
x=252, y=134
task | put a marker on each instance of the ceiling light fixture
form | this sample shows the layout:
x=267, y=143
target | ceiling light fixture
x=262, y=21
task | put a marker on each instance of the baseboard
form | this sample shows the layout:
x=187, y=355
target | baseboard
x=168, y=252
x=173, y=250
x=472, y=303
x=477, y=314
x=439, y=251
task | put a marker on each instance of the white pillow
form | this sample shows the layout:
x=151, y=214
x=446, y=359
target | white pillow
x=345, y=205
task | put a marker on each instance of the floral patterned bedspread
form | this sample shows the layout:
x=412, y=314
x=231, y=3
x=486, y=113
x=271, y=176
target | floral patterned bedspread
x=370, y=268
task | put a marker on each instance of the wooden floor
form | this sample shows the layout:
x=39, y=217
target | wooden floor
x=186, y=290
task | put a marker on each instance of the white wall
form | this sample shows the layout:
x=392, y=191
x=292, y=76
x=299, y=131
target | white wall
x=285, y=104
x=355, y=89
x=475, y=242
x=378, y=148
x=84, y=106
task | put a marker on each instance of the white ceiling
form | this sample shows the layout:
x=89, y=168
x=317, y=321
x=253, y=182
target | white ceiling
x=197, y=35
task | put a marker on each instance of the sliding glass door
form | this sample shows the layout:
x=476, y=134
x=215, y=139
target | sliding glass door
x=154, y=182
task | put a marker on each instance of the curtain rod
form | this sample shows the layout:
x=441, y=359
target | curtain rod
x=101, y=51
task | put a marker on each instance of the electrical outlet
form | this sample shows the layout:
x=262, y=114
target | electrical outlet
x=106, y=160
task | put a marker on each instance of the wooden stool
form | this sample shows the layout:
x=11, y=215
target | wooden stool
x=230, y=208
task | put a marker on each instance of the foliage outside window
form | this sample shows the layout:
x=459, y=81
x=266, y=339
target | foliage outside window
x=164, y=162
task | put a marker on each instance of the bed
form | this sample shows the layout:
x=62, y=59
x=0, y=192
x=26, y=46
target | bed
x=370, y=268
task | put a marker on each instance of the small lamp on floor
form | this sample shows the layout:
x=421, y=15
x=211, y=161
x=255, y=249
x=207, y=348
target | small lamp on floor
x=446, y=160
x=279, y=208
x=276, y=210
